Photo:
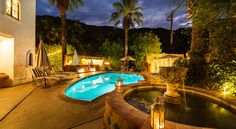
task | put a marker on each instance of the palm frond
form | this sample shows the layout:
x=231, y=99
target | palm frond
x=138, y=9
x=132, y=24
x=75, y=3
x=70, y=8
x=138, y=14
x=129, y=11
x=118, y=6
x=114, y=16
x=52, y=1
x=117, y=23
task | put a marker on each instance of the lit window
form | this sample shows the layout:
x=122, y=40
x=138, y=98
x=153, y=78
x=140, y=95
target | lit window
x=13, y=8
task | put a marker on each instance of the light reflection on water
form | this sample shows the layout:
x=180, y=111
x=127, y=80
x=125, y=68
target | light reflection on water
x=202, y=112
x=94, y=86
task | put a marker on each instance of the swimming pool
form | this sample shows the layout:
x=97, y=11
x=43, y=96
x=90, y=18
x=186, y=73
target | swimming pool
x=92, y=87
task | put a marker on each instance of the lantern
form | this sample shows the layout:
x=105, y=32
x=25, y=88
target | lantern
x=158, y=115
x=119, y=82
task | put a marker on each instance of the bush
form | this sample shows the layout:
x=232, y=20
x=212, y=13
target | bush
x=55, y=53
x=143, y=46
x=223, y=76
x=181, y=62
x=112, y=51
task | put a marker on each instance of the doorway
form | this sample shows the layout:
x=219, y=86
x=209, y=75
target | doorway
x=7, y=55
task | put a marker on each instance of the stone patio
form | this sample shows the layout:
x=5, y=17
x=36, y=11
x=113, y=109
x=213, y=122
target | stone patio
x=28, y=107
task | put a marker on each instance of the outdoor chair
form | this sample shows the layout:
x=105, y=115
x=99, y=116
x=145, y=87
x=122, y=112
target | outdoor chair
x=40, y=78
x=62, y=76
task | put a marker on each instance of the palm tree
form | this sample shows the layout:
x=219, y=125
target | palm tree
x=63, y=6
x=129, y=13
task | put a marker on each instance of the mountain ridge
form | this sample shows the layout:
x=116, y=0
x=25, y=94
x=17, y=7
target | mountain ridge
x=81, y=34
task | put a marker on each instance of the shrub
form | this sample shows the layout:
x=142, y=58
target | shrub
x=144, y=45
x=112, y=51
x=181, y=62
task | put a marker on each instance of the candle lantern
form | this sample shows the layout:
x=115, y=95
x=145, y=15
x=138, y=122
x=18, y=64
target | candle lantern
x=119, y=82
x=157, y=115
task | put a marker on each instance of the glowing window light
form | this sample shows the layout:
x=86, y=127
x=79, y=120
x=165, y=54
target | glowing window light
x=13, y=8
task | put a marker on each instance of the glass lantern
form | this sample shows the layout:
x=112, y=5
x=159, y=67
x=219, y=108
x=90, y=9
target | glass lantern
x=157, y=115
x=119, y=82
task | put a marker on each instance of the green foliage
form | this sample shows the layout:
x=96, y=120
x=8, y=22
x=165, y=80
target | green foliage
x=223, y=40
x=181, y=62
x=143, y=46
x=213, y=64
x=197, y=70
x=128, y=11
x=55, y=54
x=113, y=52
x=223, y=75
x=74, y=33
x=48, y=29
x=67, y=4
x=207, y=12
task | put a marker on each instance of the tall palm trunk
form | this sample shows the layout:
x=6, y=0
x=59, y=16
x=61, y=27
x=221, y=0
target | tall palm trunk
x=63, y=37
x=197, y=36
x=126, y=40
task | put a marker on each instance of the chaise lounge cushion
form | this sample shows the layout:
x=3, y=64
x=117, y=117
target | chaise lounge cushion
x=3, y=77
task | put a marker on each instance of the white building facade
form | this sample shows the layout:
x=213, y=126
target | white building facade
x=17, y=40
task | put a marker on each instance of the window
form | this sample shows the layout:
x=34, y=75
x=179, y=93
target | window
x=29, y=61
x=13, y=8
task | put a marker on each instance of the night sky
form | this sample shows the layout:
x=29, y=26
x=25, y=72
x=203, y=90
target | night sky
x=97, y=12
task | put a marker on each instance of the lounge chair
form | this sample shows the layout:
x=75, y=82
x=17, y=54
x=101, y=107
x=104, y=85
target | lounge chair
x=62, y=77
x=40, y=78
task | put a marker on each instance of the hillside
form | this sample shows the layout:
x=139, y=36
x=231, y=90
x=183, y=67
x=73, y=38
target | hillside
x=87, y=38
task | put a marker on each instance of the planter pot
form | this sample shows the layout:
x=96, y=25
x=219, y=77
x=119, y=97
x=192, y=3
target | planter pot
x=173, y=76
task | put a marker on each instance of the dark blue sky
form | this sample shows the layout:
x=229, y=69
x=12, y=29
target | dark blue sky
x=97, y=12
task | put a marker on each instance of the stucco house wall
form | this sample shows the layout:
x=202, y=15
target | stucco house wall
x=22, y=33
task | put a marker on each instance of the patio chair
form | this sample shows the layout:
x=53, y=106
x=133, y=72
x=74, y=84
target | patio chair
x=62, y=77
x=39, y=78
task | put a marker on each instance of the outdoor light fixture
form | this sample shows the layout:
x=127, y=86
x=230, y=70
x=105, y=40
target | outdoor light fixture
x=157, y=115
x=81, y=70
x=106, y=63
x=119, y=82
x=92, y=69
x=69, y=63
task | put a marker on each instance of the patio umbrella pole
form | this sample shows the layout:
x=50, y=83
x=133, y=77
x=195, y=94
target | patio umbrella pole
x=45, y=82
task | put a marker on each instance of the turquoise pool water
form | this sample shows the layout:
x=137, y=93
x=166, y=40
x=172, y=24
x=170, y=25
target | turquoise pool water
x=92, y=87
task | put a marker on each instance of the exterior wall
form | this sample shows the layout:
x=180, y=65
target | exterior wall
x=23, y=33
x=159, y=60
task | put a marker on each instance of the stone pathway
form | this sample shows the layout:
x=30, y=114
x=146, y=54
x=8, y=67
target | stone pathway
x=45, y=109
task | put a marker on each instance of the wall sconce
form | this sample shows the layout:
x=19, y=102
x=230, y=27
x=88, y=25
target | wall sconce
x=157, y=115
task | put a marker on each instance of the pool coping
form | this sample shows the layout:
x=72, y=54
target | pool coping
x=138, y=118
